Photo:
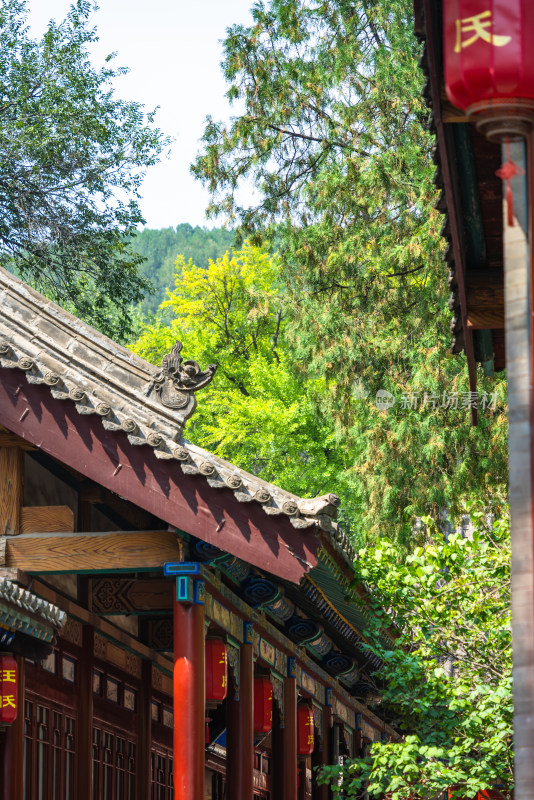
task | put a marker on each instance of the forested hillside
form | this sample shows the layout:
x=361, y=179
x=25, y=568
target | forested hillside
x=161, y=247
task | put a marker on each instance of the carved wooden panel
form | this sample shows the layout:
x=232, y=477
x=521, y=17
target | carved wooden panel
x=157, y=678
x=72, y=632
x=100, y=647
x=113, y=653
x=158, y=633
x=128, y=596
x=161, y=682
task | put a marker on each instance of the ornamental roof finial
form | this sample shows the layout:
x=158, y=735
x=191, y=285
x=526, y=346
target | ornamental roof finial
x=178, y=380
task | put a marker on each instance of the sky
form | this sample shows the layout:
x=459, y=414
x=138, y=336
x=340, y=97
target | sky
x=173, y=49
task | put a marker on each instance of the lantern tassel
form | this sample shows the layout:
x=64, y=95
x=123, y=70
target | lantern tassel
x=506, y=172
x=509, y=205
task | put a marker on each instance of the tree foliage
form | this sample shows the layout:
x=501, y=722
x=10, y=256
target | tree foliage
x=71, y=161
x=160, y=249
x=333, y=135
x=447, y=674
x=259, y=412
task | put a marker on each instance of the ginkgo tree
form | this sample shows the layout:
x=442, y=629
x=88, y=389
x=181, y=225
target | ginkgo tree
x=260, y=411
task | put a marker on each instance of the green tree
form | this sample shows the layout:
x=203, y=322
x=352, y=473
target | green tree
x=160, y=248
x=259, y=411
x=332, y=133
x=71, y=159
x=448, y=671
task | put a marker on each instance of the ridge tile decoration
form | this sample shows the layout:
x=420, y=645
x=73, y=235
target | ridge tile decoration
x=178, y=380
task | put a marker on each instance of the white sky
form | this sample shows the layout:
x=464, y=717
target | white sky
x=173, y=49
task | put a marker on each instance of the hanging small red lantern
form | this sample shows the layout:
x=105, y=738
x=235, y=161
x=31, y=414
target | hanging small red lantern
x=263, y=705
x=489, y=69
x=305, y=731
x=216, y=671
x=8, y=688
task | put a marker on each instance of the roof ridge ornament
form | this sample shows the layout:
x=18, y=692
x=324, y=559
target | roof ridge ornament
x=178, y=380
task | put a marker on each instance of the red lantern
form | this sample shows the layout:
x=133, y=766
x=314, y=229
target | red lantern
x=216, y=671
x=263, y=705
x=8, y=689
x=489, y=69
x=305, y=731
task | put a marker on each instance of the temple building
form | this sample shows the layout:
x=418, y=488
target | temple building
x=170, y=626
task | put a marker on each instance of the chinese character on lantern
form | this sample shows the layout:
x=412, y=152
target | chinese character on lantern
x=305, y=730
x=263, y=705
x=8, y=689
x=216, y=671
x=478, y=28
x=489, y=69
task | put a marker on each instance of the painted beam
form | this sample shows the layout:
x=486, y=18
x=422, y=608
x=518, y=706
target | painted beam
x=158, y=486
x=134, y=551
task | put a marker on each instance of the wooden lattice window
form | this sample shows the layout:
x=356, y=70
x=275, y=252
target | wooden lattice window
x=162, y=787
x=49, y=752
x=114, y=756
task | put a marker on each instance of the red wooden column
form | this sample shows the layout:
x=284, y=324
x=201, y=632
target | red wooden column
x=240, y=730
x=13, y=766
x=189, y=681
x=289, y=735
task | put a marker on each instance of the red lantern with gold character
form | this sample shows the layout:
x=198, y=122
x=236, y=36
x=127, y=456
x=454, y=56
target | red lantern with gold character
x=8, y=688
x=305, y=731
x=263, y=705
x=216, y=671
x=489, y=69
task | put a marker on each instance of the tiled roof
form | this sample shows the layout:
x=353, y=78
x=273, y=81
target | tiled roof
x=82, y=366
x=21, y=610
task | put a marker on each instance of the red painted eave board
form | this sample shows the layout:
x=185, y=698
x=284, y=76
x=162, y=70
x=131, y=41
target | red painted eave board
x=158, y=486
